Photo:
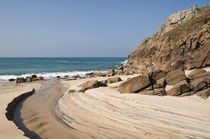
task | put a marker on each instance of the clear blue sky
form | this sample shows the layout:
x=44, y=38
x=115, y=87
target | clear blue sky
x=69, y=28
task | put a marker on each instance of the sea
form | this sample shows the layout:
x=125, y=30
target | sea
x=11, y=68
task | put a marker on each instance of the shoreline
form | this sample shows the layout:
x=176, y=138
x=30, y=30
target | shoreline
x=37, y=113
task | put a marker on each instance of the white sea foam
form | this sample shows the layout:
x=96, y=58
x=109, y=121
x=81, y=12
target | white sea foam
x=47, y=75
x=124, y=62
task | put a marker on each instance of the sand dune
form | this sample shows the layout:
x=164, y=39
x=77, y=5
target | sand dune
x=105, y=113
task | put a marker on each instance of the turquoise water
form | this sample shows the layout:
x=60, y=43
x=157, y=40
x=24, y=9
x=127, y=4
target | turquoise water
x=52, y=67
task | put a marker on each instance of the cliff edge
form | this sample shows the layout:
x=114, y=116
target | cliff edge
x=183, y=42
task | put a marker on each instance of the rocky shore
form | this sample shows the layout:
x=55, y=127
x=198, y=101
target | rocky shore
x=127, y=102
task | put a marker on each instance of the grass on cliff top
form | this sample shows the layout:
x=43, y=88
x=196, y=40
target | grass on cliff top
x=71, y=91
x=193, y=25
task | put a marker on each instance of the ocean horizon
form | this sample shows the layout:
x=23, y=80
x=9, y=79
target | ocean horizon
x=13, y=67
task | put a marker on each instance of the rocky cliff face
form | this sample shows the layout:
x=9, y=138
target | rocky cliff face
x=183, y=42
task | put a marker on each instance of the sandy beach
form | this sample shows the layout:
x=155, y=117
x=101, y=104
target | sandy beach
x=105, y=69
x=103, y=112
x=8, y=130
x=109, y=114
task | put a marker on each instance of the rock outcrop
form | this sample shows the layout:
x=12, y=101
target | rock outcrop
x=179, y=89
x=112, y=80
x=90, y=84
x=173, y=83
x=176, y=19
x=29, y=79
x=174, y=77
x=183, y=42
x=135, y=84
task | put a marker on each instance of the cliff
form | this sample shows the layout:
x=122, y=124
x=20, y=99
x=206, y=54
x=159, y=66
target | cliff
x=183, y=42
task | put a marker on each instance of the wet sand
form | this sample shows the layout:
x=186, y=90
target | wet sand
x=8, y=91
x=38, y=116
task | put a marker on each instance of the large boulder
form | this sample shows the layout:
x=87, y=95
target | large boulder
x=200, y=83
x=174, y=77
x=34, y=76
x=158, y=74
x=178, y=89
x=91, y=84
x=204, y=93
x=195, y=73
x=135, y=84
x=11, y=80
x=161, y=83
x=206, y=74
x=20, y=80
x=112, y=80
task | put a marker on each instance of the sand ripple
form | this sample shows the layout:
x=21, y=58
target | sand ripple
x=104, y=113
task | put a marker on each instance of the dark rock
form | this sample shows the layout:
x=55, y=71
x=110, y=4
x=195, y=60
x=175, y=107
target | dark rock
x=135, y=84
x=11, y=80
x=58, y=77
x=20, y=80
x=91, y=84
x=178, y=89
x=34, y=76
x=174, y=77
x=204, y=93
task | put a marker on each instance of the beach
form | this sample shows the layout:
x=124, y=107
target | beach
x=109, y=114
x=103, y=112
x=8, y=130
x=68, y=83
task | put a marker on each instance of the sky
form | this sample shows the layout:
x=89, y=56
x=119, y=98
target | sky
x=81, y=28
